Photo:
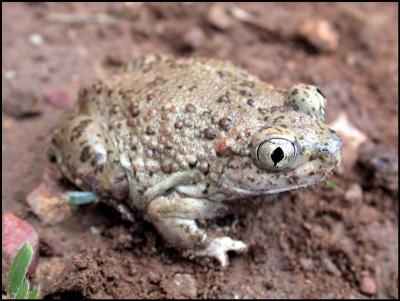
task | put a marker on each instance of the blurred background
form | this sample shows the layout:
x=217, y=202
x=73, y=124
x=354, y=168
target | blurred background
x=338, y=239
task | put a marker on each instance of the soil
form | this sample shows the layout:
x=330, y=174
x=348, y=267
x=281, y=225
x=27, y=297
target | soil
x=328, y=241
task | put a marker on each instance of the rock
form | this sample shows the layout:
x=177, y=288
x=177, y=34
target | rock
x=380, y=167
x=60, y=99
x=250, y=19
x=36, y=39
x=193, y=38
x=306, y=264
x=352, y=139
x=180, y=286
x=354, y=194
x=330, y=267
x=218, y=17
x=10, y=74
x=368, y=286
x=21, y=103
x=320, y=34
x=49, y=201
x=15, y=232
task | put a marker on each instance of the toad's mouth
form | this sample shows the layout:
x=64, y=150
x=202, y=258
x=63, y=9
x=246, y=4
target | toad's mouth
x=250, y=192
x=247, y=192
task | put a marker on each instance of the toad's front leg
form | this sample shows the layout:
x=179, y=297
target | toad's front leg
x=174, y=217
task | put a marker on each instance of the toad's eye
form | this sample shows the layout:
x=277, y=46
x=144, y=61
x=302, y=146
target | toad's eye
x=275, y=153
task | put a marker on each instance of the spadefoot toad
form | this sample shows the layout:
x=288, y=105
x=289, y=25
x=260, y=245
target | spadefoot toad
x=181, y=139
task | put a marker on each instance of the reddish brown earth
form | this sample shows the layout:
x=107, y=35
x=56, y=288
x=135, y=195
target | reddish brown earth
x=320, y=242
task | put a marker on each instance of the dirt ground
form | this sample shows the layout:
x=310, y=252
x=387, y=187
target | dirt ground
x=328, y=241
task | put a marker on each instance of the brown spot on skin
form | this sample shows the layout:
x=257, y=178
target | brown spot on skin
x=224, y=98
x=222, y=148
x=135, y=111
x=193, y=164
x=178, y=124
x=189, y=108
x=114, y=109
x=247, y=84
x=273, y=109
x=225, y=123
x=295, y=91
x=210, y=133
x=204, y=167
x=251, y=179
x=263, y=110
x=250, y=102
x=245, y=93
x=149, y=97
x=85, y=154
x=277, y=119
x=192, y=88
x=151, y=130
x=78, y=130
x=96, y=159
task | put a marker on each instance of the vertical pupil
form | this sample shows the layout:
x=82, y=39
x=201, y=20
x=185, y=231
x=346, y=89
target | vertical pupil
x=277, y=155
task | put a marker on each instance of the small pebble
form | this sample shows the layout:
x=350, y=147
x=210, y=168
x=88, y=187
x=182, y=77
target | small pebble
x=10, y=74
x=15, y=232
x=368, y=286
x=306, y=264
x=48, y=201
x=36, y=39
x=354, y=194
x=60, y=99
x=320, y=34
x=330, y=267
x=194, y=38
x=218, y=17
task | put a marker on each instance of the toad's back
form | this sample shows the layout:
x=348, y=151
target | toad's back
x=171, y=114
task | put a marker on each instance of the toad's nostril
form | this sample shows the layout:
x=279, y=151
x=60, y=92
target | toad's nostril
x=331, y=149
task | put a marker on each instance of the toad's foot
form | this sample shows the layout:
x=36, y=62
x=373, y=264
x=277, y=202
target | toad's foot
x=174, y=217
x=219, y=247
